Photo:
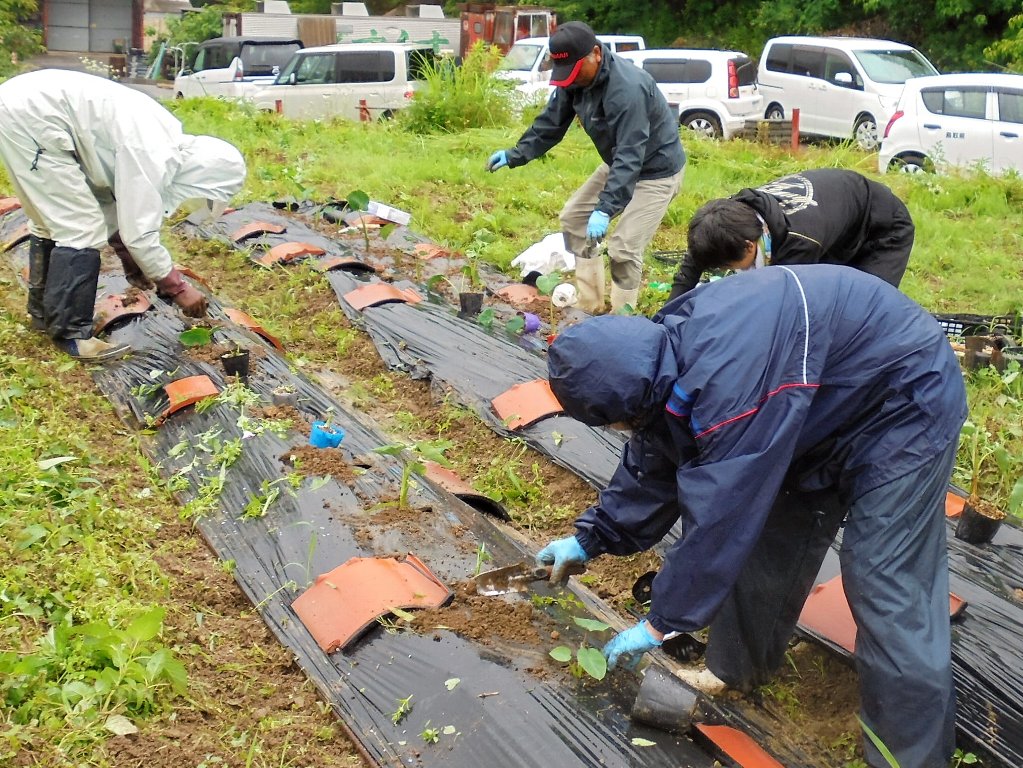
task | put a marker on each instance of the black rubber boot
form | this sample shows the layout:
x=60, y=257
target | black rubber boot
x=39, y=251
x=69, y=297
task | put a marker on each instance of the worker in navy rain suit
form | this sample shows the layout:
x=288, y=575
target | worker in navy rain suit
x=767, y=408
x=822, y=216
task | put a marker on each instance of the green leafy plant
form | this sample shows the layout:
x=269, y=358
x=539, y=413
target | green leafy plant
x=196, y=337
x=964, y=758
x=430, y=735
x=359, y=201
x=545, y=285
x=404, y=707
x=430, y=450
x=588, y=660
x=482, y=557
x=878, y=744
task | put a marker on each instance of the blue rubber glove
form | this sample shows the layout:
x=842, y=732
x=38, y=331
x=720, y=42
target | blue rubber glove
x=562, y=553
x=497, y=160
x=632, y=644
x=596, y=227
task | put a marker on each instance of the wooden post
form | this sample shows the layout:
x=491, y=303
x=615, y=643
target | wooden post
x=795, y=129
x=363, y=111
x=279, y=106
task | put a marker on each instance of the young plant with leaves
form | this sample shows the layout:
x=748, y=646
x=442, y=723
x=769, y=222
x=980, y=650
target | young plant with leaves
x=428, y=450
x=588, y=660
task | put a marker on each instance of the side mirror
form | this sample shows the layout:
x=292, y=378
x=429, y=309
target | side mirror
x=292, y=78
x=843, y=78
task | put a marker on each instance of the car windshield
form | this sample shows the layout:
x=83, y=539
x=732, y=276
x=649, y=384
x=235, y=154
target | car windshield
x=521, y=58
x=287, y=69
x=894, y=66
x=267, y=58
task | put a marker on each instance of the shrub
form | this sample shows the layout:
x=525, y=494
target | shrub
x=454, y=98
x=18, y=41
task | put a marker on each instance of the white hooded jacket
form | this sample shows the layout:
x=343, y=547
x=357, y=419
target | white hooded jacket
x=127, y=145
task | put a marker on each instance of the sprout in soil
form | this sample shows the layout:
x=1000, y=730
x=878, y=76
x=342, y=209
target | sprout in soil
x=588, y=660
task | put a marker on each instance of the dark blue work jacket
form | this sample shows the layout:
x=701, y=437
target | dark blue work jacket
x=819, y=376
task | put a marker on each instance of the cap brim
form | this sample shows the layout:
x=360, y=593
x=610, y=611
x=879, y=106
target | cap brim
x=565, y=75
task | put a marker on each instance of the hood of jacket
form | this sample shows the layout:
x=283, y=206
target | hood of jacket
x=612, y=369
x=210, y=168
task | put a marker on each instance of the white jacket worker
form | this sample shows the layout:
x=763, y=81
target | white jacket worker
x=93, y=162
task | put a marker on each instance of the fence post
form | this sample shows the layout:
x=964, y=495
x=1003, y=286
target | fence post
x=363, y=111
x=795, y=129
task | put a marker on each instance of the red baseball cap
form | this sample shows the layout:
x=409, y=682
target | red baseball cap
x=572, y=42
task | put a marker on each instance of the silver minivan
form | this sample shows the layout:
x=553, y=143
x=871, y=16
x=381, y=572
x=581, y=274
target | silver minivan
x=355, y=81
x=844, y=87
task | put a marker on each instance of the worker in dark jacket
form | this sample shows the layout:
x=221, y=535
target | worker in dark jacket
x=636, y=135
x=767, y=408
x=824, y=216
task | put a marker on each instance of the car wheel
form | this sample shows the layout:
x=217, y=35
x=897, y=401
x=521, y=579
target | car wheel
x=179, y=95
x=704, y=123
x=865, y=133
x=775, y=112
x=911, y=163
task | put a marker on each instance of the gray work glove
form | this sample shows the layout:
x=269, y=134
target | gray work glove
x=132, y=271
x=190, y=300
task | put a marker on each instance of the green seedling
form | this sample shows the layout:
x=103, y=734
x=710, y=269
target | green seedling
x=430, y=735
x=359, y=201
x=196, y=337
x=545, y=285
x=482, y=556
x=588, y=660
x=878, y=744
x=431, y=450
x=964, y=758
x=404, y=707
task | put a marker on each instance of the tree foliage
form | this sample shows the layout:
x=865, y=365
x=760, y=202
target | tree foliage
x=18, y=40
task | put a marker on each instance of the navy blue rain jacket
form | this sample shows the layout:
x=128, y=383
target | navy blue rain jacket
x=628, y=120
x=819, y=376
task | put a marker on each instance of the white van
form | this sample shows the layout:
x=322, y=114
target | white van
x=233, y=67
x=715, y=92
x=528, y=62
x=350, y=80
x=844, y=87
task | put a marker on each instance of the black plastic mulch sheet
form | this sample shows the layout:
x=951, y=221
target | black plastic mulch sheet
x=478, y=365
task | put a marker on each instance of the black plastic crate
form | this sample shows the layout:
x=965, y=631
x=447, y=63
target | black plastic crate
x=980, y=325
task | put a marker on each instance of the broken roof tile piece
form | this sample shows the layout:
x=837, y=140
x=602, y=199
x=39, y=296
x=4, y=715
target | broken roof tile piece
x=380, y=293
x=287, y=252
x=8, y=204
x=426, y=251
x=826, y=614
x=738, y=746
x=368, y=220
x=340, y=262
x=954, y=504
x=19, y=235
x=184, y=392
x=116, y=306
x=526, y=403
x=257, y=228
x=345, y=601
x=521, y=295
x=246, y=320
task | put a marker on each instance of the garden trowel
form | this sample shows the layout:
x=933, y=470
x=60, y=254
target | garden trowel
x=518, y=577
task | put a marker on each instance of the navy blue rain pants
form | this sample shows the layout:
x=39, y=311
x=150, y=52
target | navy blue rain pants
x=895, y=573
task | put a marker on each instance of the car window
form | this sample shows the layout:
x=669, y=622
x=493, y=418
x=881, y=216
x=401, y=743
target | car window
x=198, y=61
x=891, y=66
x=521, y=58
x=956, y=102
x=1010, y=106
x=666, y=70
x=744, y=69
x=218, y=57
x=836, y=63
x=419, y=63
x=266, y=58
x=624, y=47
x=365, y=67
x=808, y=62
x=778, y=57
x=315, y=69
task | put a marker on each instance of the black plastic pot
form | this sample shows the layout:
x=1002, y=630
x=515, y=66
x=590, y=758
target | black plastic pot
x=975, y=528
x=236, y=364
x=470, y=303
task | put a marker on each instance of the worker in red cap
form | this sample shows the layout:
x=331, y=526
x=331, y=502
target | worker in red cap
x=635, y=133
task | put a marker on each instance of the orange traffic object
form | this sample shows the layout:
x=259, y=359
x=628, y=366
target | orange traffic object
x=520, y=294
x=257, y=228
x=380, y=293
x=738, y=746
x=954, y=504
x=526, y=403
x=826, y=614
x=116, y=306
x=345, y=601
x=245, y=320
x=8, y=204
x=288, y=252
x=185, y=392
x=19, y=235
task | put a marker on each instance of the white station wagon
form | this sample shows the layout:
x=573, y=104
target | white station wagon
x=956, y=120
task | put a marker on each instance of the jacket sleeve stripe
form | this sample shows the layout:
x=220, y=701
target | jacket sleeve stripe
x=751, y=411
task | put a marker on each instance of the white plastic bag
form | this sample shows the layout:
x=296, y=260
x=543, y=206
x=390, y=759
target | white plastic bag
x=547, y=256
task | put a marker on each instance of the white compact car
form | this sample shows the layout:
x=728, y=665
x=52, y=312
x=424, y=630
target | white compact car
x=233, y=67
x=715, y=92
x=844, y=87
x=957, y=120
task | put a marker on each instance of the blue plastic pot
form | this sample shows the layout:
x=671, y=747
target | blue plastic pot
x=322, y=436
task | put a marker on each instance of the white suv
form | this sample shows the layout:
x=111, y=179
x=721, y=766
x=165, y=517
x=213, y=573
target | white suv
x=957, y=120
x=844, y=87
x=715, y=92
